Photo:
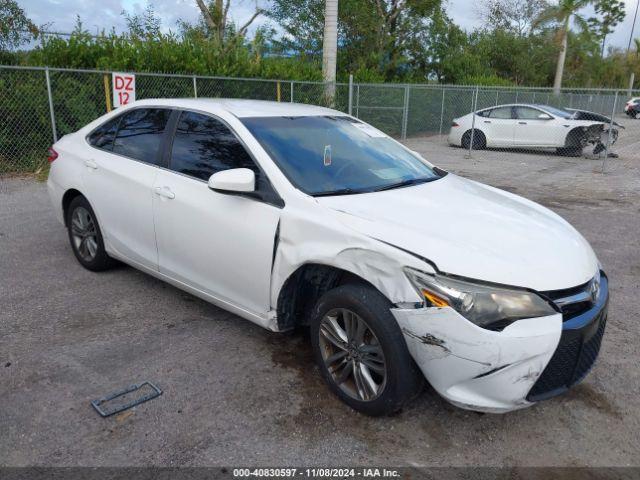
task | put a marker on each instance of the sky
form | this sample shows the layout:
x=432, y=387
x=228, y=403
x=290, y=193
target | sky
x=105, y=14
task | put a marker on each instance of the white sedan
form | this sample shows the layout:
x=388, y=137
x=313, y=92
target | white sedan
x=293, y=215
x=525, y=126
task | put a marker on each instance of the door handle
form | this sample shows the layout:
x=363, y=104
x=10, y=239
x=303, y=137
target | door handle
x=165, y=192
x=91, y=164
x=522, y=123
x=487, y=121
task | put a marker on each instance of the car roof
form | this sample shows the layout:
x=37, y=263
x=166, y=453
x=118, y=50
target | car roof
x=532, y=105
x=242, y=108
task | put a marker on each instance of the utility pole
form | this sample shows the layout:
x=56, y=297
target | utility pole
x=330, y=50
x=633, y=25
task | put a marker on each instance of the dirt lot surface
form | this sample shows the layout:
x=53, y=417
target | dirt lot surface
x=235, y=394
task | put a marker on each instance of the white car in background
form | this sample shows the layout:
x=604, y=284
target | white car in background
x=632, y=108
x=525, y=126
x=293, y=215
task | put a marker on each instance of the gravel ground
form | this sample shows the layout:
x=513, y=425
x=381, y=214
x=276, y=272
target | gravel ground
x=235, y=394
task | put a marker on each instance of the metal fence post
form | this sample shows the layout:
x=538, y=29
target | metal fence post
x=405, y=112
x=195, y=87
x=52, y=113
x=291, y=94
x=613, y=114
x=350, y=94
x=358, y=101
x=442, y=111
x=474, y=105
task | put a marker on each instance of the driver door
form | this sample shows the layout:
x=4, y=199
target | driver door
x=220, y=244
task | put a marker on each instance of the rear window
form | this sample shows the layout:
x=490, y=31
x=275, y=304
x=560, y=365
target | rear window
x=103, y=136
x=140, y=133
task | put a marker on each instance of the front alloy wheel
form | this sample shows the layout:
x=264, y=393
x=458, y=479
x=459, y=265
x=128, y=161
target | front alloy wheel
x=361, y=351
x=352, y=354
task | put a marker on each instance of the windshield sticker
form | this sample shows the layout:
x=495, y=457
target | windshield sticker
x=369, y=130
x=327, y=155
x=387, y=173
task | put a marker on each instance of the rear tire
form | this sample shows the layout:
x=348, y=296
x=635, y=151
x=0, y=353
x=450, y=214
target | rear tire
x=637, y=116
x=479, y=140
x=361, y=351
x=85, y=236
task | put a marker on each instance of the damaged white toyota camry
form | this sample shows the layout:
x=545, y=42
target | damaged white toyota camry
x=294, y=215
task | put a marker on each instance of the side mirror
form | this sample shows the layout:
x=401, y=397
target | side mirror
x=544, y=116
x=233, y=180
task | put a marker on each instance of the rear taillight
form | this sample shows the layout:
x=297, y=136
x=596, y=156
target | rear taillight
x=51, y=154
x=454, y=124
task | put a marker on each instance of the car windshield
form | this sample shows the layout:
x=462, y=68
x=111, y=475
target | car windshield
x=325, y=155
x=556, y=111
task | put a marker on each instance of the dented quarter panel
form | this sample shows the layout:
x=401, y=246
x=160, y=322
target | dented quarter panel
x=475, y=368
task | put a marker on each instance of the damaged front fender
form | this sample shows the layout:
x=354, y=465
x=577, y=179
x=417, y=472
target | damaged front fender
x=322, y=240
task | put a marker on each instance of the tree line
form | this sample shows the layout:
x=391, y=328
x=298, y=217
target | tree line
x=519, y=42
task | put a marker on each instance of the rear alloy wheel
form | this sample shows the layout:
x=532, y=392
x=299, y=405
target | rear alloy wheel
x=479, y=140
x=85, y=236
x=361, y=352
x=637, y=116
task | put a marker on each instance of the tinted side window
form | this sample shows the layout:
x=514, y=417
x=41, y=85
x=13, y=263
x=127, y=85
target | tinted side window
x=502, y=112
x=103, y=136
x=203, y=146
x=140, y=133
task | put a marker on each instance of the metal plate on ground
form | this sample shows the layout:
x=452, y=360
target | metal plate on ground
x=124, y=399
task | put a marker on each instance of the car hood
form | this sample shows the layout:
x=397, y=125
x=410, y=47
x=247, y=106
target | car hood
x=473, y=230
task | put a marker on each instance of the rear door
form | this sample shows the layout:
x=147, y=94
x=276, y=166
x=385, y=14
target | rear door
x=119, y=174
x=498, y=126
x=534, y=131
x=220, y=244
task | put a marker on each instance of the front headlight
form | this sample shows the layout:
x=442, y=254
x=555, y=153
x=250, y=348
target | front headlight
x=489, y=307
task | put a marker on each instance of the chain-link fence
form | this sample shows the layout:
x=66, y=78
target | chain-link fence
x=39, y=105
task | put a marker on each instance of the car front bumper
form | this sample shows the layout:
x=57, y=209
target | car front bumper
x=482, y=370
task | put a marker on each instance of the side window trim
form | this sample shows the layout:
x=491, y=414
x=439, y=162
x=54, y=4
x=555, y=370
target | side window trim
x=120, y=116
x=271, y=196
x=167, y=142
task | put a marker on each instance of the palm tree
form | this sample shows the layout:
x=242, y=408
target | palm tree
x=561, y=15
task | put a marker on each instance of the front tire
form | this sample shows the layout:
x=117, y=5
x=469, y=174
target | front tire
x=361, y=352
x=569, y=151
x=85, y=236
